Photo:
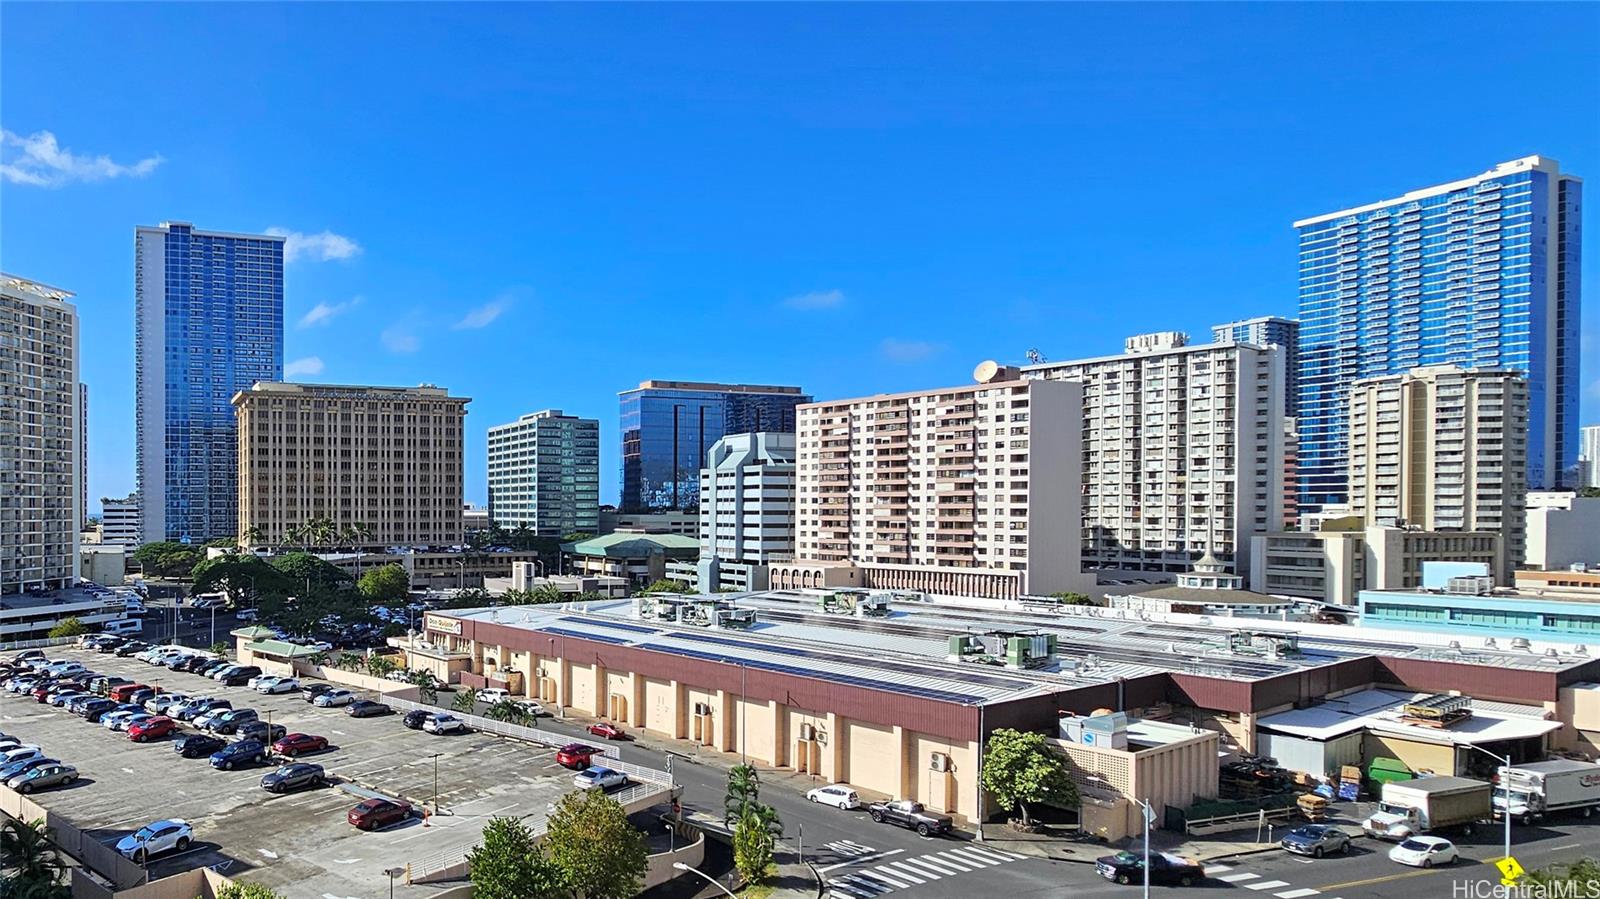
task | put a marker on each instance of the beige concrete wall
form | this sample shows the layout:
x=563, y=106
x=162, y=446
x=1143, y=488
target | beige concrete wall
x=755, y=723
x=582, y=692
x=951, y=791
x=871, y=757
x=660, y=704
x=1578, y=707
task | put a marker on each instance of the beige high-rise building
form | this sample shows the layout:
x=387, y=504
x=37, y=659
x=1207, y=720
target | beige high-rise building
x=1442, y=448
x=389, y=458
x=967, y=490
x=1183, y=452
x=40, y=511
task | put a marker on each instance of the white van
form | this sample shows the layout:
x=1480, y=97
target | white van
x=123, y=626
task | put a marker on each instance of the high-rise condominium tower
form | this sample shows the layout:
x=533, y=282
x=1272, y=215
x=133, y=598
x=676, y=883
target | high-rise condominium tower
x=1269, y=330
x=210, y=324
x=667, y=427
x=1481, y=272
x=544, y=473
x=39, y=444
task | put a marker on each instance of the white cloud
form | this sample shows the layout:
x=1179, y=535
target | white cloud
x=310, y=365
x=320, y=247
x=817, y=299
x=322, y=313
x=38, y=160
x=482, y=316
x=897, y=350
x=399, y=339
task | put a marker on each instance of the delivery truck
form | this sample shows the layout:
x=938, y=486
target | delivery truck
x=1428, y=804
x=1541, y=788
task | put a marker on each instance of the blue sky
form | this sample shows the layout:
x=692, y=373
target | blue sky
x=538, y=206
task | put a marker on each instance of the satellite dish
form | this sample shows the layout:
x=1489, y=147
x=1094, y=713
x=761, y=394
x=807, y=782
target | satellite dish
x=986, y=371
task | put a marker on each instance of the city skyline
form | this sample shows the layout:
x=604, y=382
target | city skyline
x=861, y=237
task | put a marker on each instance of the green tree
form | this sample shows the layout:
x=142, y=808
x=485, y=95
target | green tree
x=600, y=855
x=349, y=661
x=384, y=585
x=220, y=649
x=1073, y=599
x=743, y=792
x=466, y=701
x=252, y=536
x=308, y=571
x=71, y=627
x=577, y=536
x=510, y=864
x=509, y=711
x=752, y=847
x=1589, y=492
x=470, y=598
x=381, y=666
x=237, y=574
x=247, y=890
x=427, y=685
x=1020, y=769
x=668, y=586
x=167, y=558
x=28, y=855
x=1570, y=879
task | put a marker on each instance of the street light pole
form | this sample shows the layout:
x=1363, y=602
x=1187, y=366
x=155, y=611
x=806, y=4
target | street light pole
x=1505, y=787
x=680, y=866
x=393, y=873
x=436, y=783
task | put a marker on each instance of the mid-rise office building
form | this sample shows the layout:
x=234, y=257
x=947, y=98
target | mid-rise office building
x=1182, y=452
x=1269, y=330
x=1442, y=449
x=668, y=426
x=1480, y=272
x=969, y=490
x=119, y=520
x=1344, y=556
x=40, y=509
x=1589, y=456
x=209, y=324
x=747, y=518
x=1563, y=530
x=544, y=473
x=388, y=458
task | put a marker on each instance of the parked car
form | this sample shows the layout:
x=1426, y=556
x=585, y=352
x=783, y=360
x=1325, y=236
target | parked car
x=43, y=778
x=131, y=648
x=366, y=708
x=334, y=698
x=123, y=722
x=20, y=754
x=598, y=778
x=238, y=754
x=295, y=744
x=93, y=709
x=910, y=814
x=239, y=677
x=311, y=691
x=173, y=835
x=260, y=730
x=12, y=769
x=377, y=813
x=492, y=695
x=837, y=795
x=297, y=776
x=606, y=730
x=1425, y=852
x=163, y=702
x=440, y=723
x=414, y=718
x=576, y=755
x=228, y=722
x=224, y=670
x=124, y=691
x=144, y=695
x=272, y=684
x=194, y=708
x=27, y=655
x=153, y=728
x=196, y=745
x=1316, y=840
x=212, y=666
x=1128, y=867
x=532, y=709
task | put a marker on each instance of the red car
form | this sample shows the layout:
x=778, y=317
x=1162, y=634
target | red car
x=293, y=744
x=121, y=692
x=575, y=756
x=376, y=813
x=608, y=730
x=152, y=729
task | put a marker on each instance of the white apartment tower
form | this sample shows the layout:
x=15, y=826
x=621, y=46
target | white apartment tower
x=1182, y=452
x=747, y=520
x=544, y=473
x=968, y=490
x=1442, y=448
x=40, y=508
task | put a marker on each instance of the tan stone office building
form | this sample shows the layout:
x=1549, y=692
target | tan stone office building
x=386, y=457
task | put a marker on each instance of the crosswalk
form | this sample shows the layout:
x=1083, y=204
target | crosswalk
x=864, y=872
x=1278, y=889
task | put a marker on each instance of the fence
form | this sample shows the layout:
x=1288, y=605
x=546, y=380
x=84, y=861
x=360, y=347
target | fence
x=40, y=643
x=1241, y=821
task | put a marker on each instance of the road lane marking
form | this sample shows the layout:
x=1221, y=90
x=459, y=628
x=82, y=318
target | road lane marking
x=862, y=859
x=1266, y=885
x=893, y=868
x=969, y=854
x=1235, y=878
x=1420, y=872
x=988, y=853
x=1214, y=870
x=941, y=865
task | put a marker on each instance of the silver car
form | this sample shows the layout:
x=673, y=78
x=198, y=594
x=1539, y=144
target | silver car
x=43, y=778
x=1316, y=840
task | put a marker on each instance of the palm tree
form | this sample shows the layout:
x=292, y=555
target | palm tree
x=323, y=531
x=251, y=536
x=744, y=786
x=30, y=854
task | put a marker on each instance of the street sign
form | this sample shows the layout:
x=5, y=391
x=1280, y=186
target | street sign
x=1149, y=813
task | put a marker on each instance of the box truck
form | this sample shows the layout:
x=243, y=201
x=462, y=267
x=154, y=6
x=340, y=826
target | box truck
x=1540, y=788
x=1407, y=808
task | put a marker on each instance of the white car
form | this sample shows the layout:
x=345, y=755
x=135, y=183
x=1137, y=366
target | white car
x=492, y=695
x=598, y=778
x=161, y=703
x=66, y=669
x=272, y=684
x=1425, y=852
x=156, y=838
x=333, y=698
x=444, y=724
x=128, y=720
x=837, y=795
x=255, y=682
x=19, y=753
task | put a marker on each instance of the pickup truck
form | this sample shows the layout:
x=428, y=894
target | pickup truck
x=910, y=814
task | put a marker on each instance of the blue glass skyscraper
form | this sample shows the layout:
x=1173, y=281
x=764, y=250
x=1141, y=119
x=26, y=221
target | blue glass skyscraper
x=209, y=324
x=667, y=426
x=1481, y=273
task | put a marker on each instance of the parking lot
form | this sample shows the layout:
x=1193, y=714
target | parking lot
x=298, y=840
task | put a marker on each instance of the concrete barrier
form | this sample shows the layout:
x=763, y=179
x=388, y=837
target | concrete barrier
x=86, y=850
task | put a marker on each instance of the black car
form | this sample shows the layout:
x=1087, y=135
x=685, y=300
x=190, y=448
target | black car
x=196, y=745
x=258, y=730
x=310, y=692
x=415, y=718
x=131, y=648
x=92, y=710
x=1128, y=867
x=109, y=646
x=212, y=666
x=140, y=697
x=193, y=663
x=297, y=776
x=241, y=677
x=366, y=708
x=239, y=753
